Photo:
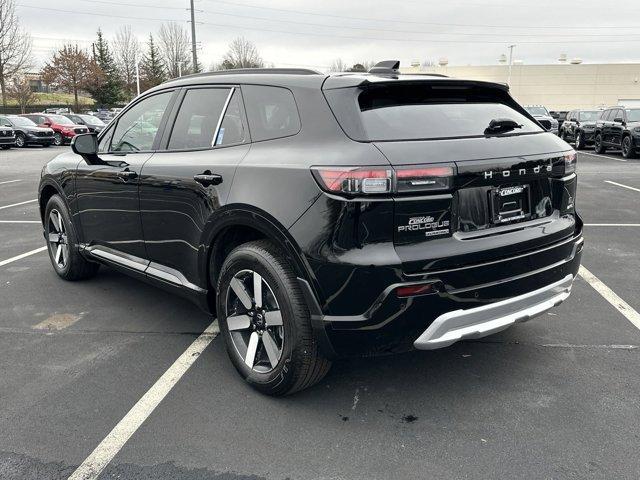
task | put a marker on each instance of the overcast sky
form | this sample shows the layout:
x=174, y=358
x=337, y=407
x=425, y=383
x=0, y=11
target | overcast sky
x=312, y=33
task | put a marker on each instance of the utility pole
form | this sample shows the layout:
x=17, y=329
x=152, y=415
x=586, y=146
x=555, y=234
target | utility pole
x=511, y=47
x=193, y=38
x=138, y=75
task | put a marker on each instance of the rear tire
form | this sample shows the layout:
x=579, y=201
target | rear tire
x=597, y=145
x=628, y=150
x=271, y=345
x=62, y=243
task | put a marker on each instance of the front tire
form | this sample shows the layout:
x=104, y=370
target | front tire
x=579, y=141
x=265, y=321
x=628, y=150
x=20, y=141
x=57, y=139
x=597, y=144
x=62, y=243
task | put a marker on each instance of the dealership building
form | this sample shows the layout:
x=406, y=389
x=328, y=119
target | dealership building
x=563, y=86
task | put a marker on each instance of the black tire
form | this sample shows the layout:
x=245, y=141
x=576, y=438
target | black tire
x=628, y=150
x=73, y=265
x=20, y=140
x=300, y=363
x=579, y=143
x=46, y=145
x=597, y=144
x=563, y=135
x=57, y=139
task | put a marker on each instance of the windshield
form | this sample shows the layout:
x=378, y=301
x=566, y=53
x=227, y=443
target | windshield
x=91, y=120
x=60, y=120
x=424, y=112
x=589, y=116
x=537, y=111
x=22, y=121
x=633, y=115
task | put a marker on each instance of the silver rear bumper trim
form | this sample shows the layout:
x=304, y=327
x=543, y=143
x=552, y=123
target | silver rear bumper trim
x=479, y=322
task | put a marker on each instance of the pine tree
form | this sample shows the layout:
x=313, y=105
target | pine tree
x=152, y=71
x=107, y=92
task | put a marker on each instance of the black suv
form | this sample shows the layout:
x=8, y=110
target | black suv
x=618, y=127
x=580, y=127
x=321, y=216
x=27, y=132
x=94, y=124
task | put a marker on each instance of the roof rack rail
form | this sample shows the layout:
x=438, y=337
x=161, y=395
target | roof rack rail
x=246, y=71
x=386, y=67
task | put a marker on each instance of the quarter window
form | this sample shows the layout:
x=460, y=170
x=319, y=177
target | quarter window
x=137, y=127
x=271, y=111
x=197, y=120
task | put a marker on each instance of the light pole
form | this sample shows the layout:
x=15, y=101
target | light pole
x=137, y=75
x=511, y=47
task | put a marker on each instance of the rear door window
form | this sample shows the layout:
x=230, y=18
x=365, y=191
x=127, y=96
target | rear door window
x=271, y=111
x=232, y=129
x=197, y=120
x=423, y=111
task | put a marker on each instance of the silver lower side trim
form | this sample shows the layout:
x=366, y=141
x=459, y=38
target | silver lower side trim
x=479, y=322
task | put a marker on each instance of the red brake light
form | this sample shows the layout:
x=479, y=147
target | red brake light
x=354, y=180
x=424, y=179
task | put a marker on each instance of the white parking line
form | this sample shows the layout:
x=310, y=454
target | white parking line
x=22, y=255
x=623, y=186
x=10, y=181
x=17, y=204
x=21, y=221
x=604, y=156
x=610, y=296
x=93, y=465
x=612, y=224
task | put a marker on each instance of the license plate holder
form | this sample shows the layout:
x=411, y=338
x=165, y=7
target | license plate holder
x=510, y=204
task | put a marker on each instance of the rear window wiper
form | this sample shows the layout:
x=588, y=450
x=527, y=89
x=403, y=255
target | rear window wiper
x=501, y=125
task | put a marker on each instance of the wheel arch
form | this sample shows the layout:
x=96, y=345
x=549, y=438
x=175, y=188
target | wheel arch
x=233, y=225
x=47, y=190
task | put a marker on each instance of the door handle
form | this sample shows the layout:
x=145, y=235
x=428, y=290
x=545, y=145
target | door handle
x=207, y=179
x=126, y=174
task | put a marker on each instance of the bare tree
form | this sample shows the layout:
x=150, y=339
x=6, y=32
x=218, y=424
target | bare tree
x=241, y=54
x=175, y=47
x=15, y=46
x=126, y=49
x=338, y=66
x=72, y=69
x=20, y=90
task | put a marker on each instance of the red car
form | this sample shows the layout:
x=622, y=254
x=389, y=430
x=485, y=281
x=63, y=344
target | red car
x=63, y=128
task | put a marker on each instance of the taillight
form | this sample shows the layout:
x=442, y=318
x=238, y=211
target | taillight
x=570, y=162
x=424, y=179
x=382, y=180
x=354, y=180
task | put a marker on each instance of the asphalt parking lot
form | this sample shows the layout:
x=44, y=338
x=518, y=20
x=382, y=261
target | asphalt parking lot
x=554, y=398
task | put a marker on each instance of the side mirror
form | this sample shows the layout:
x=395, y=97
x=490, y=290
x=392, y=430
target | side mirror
x=86, y=145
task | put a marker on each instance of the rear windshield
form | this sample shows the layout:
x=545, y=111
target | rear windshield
x=423, y=112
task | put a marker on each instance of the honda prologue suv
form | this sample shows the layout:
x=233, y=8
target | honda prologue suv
x=322, y=216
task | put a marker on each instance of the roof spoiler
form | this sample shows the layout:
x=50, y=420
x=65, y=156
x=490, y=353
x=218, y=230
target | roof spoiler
x=389, y=67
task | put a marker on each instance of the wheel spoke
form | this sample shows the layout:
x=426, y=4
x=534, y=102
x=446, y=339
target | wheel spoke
x=252, y=348
x=54, y=221
x=238, y=322
x=273, y=319
x=59, y=254
x=257, y=289
x=241, y=293
x=271, y=348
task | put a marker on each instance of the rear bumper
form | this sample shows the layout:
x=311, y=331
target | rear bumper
x=467, y=302
x=479, y=322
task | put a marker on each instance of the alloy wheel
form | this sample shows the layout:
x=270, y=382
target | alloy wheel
x=57, y=139
x=578, y=140
x=254, y=321
x=57, y=239
x=626, y=146
x=19, y=141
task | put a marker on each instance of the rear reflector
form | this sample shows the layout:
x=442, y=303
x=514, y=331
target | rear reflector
x=414, y=290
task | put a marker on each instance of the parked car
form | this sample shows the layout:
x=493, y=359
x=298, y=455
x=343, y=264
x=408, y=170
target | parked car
x=27, y=132
x=94, y=124
x=323, y=216
x=7, y=136
x=580, y=127
x=105, y=115
x=618, y=127
x=542, y=115
x=63, y=128
x=560, y=116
